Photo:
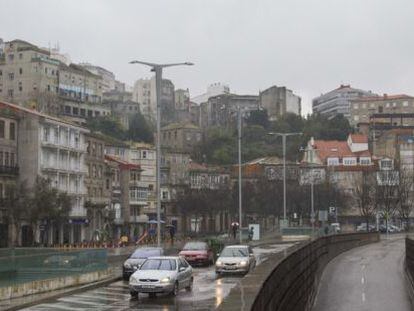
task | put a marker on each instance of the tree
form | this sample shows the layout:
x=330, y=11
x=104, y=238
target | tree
x=107, y=125
x=365, y=197
x=258, y=117
x=47, y=204
x=15, y=203
x=140, y=129
x=386, y=197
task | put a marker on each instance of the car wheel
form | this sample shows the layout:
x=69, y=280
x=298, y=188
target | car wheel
x=134, y=294
x=175, y=289
x=189, y=288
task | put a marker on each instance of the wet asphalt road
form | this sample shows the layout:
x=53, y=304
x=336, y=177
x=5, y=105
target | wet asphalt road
x=366, y=278
x=208, y=292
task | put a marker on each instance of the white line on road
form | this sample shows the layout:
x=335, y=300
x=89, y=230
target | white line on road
x=79, y=301
x=94, y=297
x=362, y=280
x=363, y=297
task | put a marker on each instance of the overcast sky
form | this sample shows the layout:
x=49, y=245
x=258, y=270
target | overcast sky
x=310, y=46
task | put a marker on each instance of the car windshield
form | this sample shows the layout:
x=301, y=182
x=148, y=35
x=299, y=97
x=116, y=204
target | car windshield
x=145, y=253
x=235, y=252
x=195, y=246
x=159, y=264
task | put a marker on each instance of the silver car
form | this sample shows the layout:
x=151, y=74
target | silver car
x=235, y=259
x=164, y=274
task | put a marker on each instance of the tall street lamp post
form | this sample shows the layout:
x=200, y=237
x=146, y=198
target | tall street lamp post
x=239, y=136
x=157, y=68
x=284, y=135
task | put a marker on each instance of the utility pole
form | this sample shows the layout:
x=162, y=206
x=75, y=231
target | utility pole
x=157, y=68
x=284, y=135
x=239, y=136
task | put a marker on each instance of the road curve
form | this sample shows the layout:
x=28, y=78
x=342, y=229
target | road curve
x=366, y=278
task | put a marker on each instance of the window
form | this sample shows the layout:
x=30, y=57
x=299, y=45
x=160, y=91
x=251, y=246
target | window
x=164, y=195
x=372, y=105
x=144, y=154
x=20, y=55
x=365, y=161
x=380, y=109
x=2, y=128
x=1, y=157
x=349, y=161
x=333, y=161
x=1, y=73
x=387, y=105
x=355, y=106
x=11, y=75
x=12, y=133
x=46, y=70
x=21, y=71
x=405, y=103
x=67, y=109
x=394, y=104
x=386, y=164
x=6, y=159
x=12, y=159
x=20, y=87
x=48, y=88
x=75, y=111
x=11, y=57
x=356, y=118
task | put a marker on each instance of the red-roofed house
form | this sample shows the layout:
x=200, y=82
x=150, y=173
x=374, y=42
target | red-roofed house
x=353, y=152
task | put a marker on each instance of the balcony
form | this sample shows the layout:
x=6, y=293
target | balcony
x=9, y=170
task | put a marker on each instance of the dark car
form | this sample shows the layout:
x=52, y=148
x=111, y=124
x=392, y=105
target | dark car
x=137, y=258
x=197, y=253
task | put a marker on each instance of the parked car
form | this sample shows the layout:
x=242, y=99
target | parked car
x=336, y=227
x=137, y=258
x=395, y=228
x=162, y=275
x=197, y=253
x=363, y=228
x=235, y=259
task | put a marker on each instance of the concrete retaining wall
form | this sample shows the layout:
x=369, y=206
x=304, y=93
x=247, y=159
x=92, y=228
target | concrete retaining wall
x=409, y=263
x=288, y=281
x=42, y=286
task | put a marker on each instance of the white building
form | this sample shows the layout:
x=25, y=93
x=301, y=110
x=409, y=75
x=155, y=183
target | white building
x=108, y=77
x=54, y=149
x=212, y=90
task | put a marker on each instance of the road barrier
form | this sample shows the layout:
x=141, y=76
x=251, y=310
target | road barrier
x=288, y=281
x=409, y=262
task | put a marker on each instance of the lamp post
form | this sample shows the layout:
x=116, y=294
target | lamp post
x=239, y=137
x=284, y=135
x=311, y=186
x=157, y=68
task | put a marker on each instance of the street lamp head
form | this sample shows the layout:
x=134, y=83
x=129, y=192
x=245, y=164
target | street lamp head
x=189, y=64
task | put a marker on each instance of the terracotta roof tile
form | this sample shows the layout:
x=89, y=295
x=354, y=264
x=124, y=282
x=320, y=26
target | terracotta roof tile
x=359, y=138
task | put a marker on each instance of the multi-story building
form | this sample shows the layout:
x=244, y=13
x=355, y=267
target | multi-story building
x=127, y=198
x=278, y=101
x=97, y=183
x=29, y=77
x=54, y=149
x=121, y=105
x=180, y=137
x=81, y=93
x=361, y=109
x=221, y=110
x=212, y=90
x=337, y=101
x=8, y=173
x=108, y=78
x=194, y=116
x=144, y=93
x=181, y=99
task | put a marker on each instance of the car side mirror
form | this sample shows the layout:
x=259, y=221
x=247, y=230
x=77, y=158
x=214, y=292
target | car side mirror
x=181, y=269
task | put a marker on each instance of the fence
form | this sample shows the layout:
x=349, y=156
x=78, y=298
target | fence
x=18, y=266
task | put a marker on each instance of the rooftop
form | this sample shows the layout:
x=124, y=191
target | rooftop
x=359, y=138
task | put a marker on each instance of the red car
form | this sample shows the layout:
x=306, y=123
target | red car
x=197, y=253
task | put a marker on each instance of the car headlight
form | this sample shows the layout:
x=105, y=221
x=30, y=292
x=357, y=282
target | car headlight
x=127, y=265
x=243, y=263
x=165, y=280
x=219, y=263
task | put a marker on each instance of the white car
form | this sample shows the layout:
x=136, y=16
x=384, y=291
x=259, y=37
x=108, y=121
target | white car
x=164, y=274
x=235, y=259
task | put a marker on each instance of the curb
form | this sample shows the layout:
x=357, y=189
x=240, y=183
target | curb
x=70, y=291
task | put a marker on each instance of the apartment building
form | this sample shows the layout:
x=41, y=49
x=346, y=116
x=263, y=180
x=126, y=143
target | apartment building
x=361, y=109
x=213, y=89
x=108, y=81
x=144, y=93
x=29, y=77
x=337, y=101
x=180, y=137
x=222, y=110
x=98, y=184
x=8, y=173
x=278, y=101
x=122, y=106
x=54, y=149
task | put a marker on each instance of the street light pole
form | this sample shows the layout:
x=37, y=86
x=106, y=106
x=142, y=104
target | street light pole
x=157, y=68
x=240, y=171
x=284, y=135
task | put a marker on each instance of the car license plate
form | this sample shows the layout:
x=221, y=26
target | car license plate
x=231, y=268
x=148, y=286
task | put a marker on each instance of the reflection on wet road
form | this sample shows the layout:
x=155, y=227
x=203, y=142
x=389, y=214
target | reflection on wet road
x=208, y=292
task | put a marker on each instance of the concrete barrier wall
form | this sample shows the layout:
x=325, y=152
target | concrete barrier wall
x=288, y=281
x=409, y=261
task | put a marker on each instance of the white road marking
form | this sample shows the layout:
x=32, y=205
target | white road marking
x=363, y=297
x=362, y=280
x=97, y=297
x=79, y=301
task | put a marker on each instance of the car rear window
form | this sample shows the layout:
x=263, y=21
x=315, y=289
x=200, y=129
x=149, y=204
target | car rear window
x=195, y=246
x=145, y=253
x=159, y=264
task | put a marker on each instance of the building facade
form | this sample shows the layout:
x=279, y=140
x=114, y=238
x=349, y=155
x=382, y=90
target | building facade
x=337, y=101
x=180, y=137
x=107, y=77
x=278, y=101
